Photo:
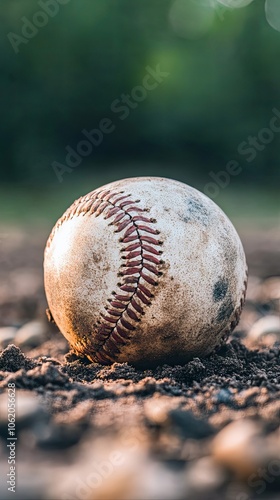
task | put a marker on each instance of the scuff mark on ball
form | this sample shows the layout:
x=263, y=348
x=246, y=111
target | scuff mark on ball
x=220, y=290
x=197, y=212
x=226, y=310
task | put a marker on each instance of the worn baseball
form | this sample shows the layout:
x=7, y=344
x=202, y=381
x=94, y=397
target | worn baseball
x=145, y=270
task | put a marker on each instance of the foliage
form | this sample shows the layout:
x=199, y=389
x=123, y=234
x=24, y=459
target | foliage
x=221, y=89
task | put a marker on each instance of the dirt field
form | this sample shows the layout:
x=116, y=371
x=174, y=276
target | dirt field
x=205, y=430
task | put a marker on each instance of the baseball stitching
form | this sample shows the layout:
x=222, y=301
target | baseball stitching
x=138, y=274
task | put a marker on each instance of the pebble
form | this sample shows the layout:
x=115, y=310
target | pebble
x=156, y=411
x=59, y=436
x=32, y=334
x=224, y=396
x=204, y=475
x=7, y=336
x=265, y=326
x=159, y=412
x=240, y=447
x=254, y=289
x=29, y=411
x=271, y=289
x=186, y=424
x=28, y=408
x=110, y=471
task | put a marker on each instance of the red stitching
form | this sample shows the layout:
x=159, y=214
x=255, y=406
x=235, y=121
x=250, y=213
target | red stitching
x=122, y=298
x=103, y=357
x=129, y=231
x=118, y=218
x=126, y=324
x=150, y=268
x=138, y=253
x=133, y=270
x=125, y=203
x=142, y=297
x=135, y=209
x=148, y=248
x=127, y=288
x=133, y=246
x=147, y=278
x=151, y=258
x=113, y=312
x=145, y=290
x=112, y=346
x=119, y=199
x=101, y=208
x=132, y=255
x=133, y=263
x=131, y=279
x=130, y=238
x=122, y=332
x=117, y=338
x=111, y=212
x=132, y=314
x=116, y=304
x=123, y=224
x=107, y=318
x=86, y=205
x=104, y=329
x=136, y=306
x=148, y=229
x=148, y=239
x=104, y=195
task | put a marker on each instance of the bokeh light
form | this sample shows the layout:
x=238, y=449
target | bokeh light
x=272, y=12
x=235, y=4
x=192, y=19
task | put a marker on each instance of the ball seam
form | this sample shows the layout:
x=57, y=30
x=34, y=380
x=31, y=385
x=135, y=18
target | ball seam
x=138, y=275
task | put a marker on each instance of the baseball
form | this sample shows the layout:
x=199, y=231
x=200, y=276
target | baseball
x=145, y=270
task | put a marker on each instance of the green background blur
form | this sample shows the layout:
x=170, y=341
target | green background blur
x=224, y=81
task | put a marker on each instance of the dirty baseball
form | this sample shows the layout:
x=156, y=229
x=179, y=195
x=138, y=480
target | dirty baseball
x=146, y=271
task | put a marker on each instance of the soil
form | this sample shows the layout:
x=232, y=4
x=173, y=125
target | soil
x=206, y=430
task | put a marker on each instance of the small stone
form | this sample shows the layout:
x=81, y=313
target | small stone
x=28, y=410
x=271, y=288
x=111, y=470
x=188, y=426
x=240, y=447
x=204, y=475
x=254, y=289
x=224, y=396
x=59, y=436
x=269, y=325
x=156, y=411
x=32, y=334
x=7, y=335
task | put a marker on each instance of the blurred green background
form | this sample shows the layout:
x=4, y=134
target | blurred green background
x=63, y=76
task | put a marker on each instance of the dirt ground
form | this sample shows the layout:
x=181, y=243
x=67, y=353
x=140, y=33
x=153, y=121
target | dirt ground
x=205, y=430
